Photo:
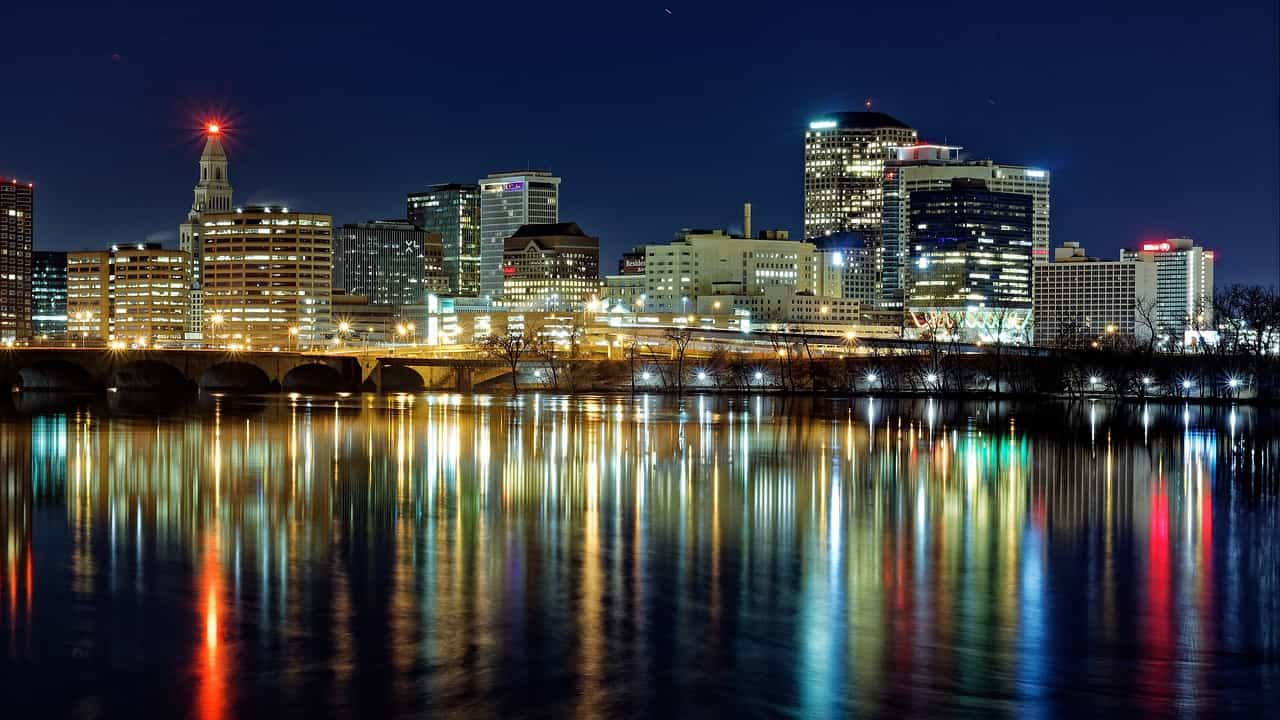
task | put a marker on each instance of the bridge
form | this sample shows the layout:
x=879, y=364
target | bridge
x=95, y=369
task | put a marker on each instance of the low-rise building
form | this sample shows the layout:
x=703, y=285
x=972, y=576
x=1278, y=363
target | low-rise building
x=713, y=262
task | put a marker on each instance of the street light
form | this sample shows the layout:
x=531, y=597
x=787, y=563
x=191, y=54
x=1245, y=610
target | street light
x=872, y=377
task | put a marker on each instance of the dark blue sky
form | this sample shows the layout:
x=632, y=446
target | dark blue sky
x=1155, y=119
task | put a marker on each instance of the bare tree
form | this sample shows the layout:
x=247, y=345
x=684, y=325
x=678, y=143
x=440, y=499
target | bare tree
x=510, y=348
x=679, y=339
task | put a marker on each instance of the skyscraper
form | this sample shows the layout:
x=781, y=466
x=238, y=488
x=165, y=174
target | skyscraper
x=16, y=232
x=844, y=157
x=453, y=211
x=928, y=166
x=390, y=262
x=49, y=295
x=970, y=273
x=509, y=200
x=267, y=277
x=212, y=193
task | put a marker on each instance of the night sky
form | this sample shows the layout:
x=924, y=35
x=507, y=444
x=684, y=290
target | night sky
x=1155, y=119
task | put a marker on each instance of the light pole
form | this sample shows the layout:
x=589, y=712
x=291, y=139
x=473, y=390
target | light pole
x=217, y=325
x=293, y=336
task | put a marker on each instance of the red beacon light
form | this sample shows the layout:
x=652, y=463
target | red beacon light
x=213, y=128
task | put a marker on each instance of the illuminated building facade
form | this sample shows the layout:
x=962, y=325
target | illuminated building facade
x=932, y=167
x=89, y=297
x=844, y=159
x=49, y=295
x=16, y=234
x=453, y=211
x=149, y=288
x=389, y=262
x=550, y=267
x=970, y=270
x=713, y=262
x=509, y=200
x=1080, y=300
x=135, y=295
x=1184, y=285
x=212, y=193
x=267, y=270
x=848, y=267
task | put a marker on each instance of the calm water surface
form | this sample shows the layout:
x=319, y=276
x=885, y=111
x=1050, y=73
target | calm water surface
x=544, y=556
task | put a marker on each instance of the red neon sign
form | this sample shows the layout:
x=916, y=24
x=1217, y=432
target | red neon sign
x=1156, y=247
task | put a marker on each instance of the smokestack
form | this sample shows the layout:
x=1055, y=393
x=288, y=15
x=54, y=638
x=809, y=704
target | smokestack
x=746, y=220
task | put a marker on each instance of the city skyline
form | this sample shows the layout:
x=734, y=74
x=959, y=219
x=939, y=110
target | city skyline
x=1109, y=193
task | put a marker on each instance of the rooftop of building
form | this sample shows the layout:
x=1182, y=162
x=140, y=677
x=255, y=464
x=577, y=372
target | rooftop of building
x=862, y=119
x=394, y=224
x=842, y=240
x=533, y=230
x=446, y=187
x=519, y=173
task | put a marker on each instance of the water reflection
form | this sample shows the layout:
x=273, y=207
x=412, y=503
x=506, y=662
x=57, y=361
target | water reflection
x=606, y=556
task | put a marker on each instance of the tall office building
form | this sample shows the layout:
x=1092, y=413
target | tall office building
x=1184, y=285
x=453, y=211
x=389, y=262
x=550, y=267
x=970, y=273
x=16, y=232
x=509, y=200
x=212, y=193
x=267, y=277
x=929, y=166
x=133, y=294
x=49, y=295
x=1080, y=299
x=844, y=157
x=89, y=297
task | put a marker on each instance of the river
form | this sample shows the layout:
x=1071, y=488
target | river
x=609, y=556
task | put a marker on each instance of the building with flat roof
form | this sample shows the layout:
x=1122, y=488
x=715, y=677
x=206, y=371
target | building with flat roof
x=509, y=200
x=927, y=166
x=552, y=267
x=135, y=295
x=713, y=262
x=268, y=277
x=970, y=276
x=389, y=262
x=17, y=223
x=453, y=211
x=89, y=297
x=1184, y=285
x=49, y=295
x=1079, y=300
